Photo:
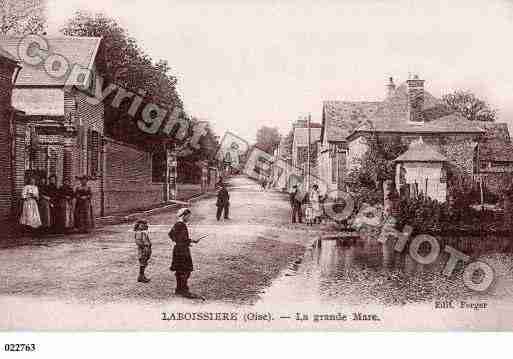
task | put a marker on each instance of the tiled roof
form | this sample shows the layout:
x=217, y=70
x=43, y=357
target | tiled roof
x=499, y=151
x=395, y=107
x=494, y=131
x=301, y=136
x=496, y=142
x=77, y=50
x=452, y=123
x=391, y=116
x=421, y=152
x=340, y=118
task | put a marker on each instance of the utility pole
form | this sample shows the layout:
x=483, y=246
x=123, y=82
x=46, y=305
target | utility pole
x=308, y=155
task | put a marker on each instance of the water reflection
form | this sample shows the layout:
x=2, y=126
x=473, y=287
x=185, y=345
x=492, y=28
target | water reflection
x=366, y=271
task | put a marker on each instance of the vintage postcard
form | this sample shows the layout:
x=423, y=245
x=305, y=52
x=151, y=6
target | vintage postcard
x=256, y=165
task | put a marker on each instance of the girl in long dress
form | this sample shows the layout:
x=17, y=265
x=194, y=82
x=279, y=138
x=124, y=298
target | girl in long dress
x=182, y=259
x=84, y=220
x=66, y=215
x=30, y=214
x=315, y=201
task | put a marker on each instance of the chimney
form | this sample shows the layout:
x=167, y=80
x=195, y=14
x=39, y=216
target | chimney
x=415, y=99
x=300, y=123
x=390, y=87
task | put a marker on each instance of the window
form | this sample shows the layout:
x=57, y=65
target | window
x=93, y=153
x=158, y=167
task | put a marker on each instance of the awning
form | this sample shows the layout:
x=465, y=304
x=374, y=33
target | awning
x=39, y=101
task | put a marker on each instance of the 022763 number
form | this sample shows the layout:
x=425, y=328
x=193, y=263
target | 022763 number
x=20, y=347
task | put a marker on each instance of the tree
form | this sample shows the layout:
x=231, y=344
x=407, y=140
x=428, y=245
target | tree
x=366, y=179
x=20, y=17
x=189, y=167
x=286, y=146
x=267, y=138
x=469, y=106
x=121, y=61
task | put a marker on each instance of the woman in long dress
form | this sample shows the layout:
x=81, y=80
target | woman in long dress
x=315, y=201
x=84, y=220
x=66, y=215
x=30, y=218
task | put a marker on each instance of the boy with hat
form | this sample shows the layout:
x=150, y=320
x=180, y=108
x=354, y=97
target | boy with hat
x=143, y=248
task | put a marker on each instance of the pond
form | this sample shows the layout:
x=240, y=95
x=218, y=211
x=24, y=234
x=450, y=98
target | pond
x=364, y=271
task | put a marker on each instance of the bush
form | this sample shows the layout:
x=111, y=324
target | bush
x=366, y=194
x=425, y=215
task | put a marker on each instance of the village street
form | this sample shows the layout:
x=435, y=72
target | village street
x=239, y=258
x=256, y=261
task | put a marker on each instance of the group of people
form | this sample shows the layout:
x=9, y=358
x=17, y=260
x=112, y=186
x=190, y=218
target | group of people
x=313, y=201
x=48, y=208
x=181, y=262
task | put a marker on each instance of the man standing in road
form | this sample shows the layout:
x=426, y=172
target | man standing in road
x=204, y=178
x=223, y=202
x=295, y=203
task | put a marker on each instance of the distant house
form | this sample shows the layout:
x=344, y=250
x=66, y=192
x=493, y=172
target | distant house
x=300, y=145
x=300, y=150
x=339, y=119
x=409, y=113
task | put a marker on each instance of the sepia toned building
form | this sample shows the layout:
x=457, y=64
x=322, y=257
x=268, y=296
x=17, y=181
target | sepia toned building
x=408, y=113
x=61, y=132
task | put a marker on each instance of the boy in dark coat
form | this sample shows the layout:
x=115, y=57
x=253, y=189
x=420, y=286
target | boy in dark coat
x=295, y=203
x=223, y=202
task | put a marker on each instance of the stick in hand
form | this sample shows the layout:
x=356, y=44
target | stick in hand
x=198, y=239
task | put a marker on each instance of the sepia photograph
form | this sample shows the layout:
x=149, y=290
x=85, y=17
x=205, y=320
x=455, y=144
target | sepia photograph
x=255, y=165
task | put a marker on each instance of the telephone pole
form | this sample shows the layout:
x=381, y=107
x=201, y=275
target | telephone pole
x=308, y=155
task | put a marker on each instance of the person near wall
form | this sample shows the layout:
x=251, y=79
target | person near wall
x=65, y=209
x=295, y=202
x=84, y=220
x=223, y=202
x=315, y=198
x=46, y=209
x=53, y=193
x=204, y=178
x=181, y=263
x=30, y=217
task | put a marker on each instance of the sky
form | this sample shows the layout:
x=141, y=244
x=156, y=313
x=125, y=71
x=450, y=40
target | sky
x=244, y=64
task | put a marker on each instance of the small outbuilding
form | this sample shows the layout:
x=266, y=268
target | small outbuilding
x=422, y=169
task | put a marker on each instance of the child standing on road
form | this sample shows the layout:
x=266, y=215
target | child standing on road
x=309, y=214
x=143, y=248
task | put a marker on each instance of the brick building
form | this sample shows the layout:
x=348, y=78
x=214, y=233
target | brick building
x=8, y=69
x=61, y=133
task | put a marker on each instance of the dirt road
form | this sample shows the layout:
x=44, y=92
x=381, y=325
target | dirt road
x=234, y=264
